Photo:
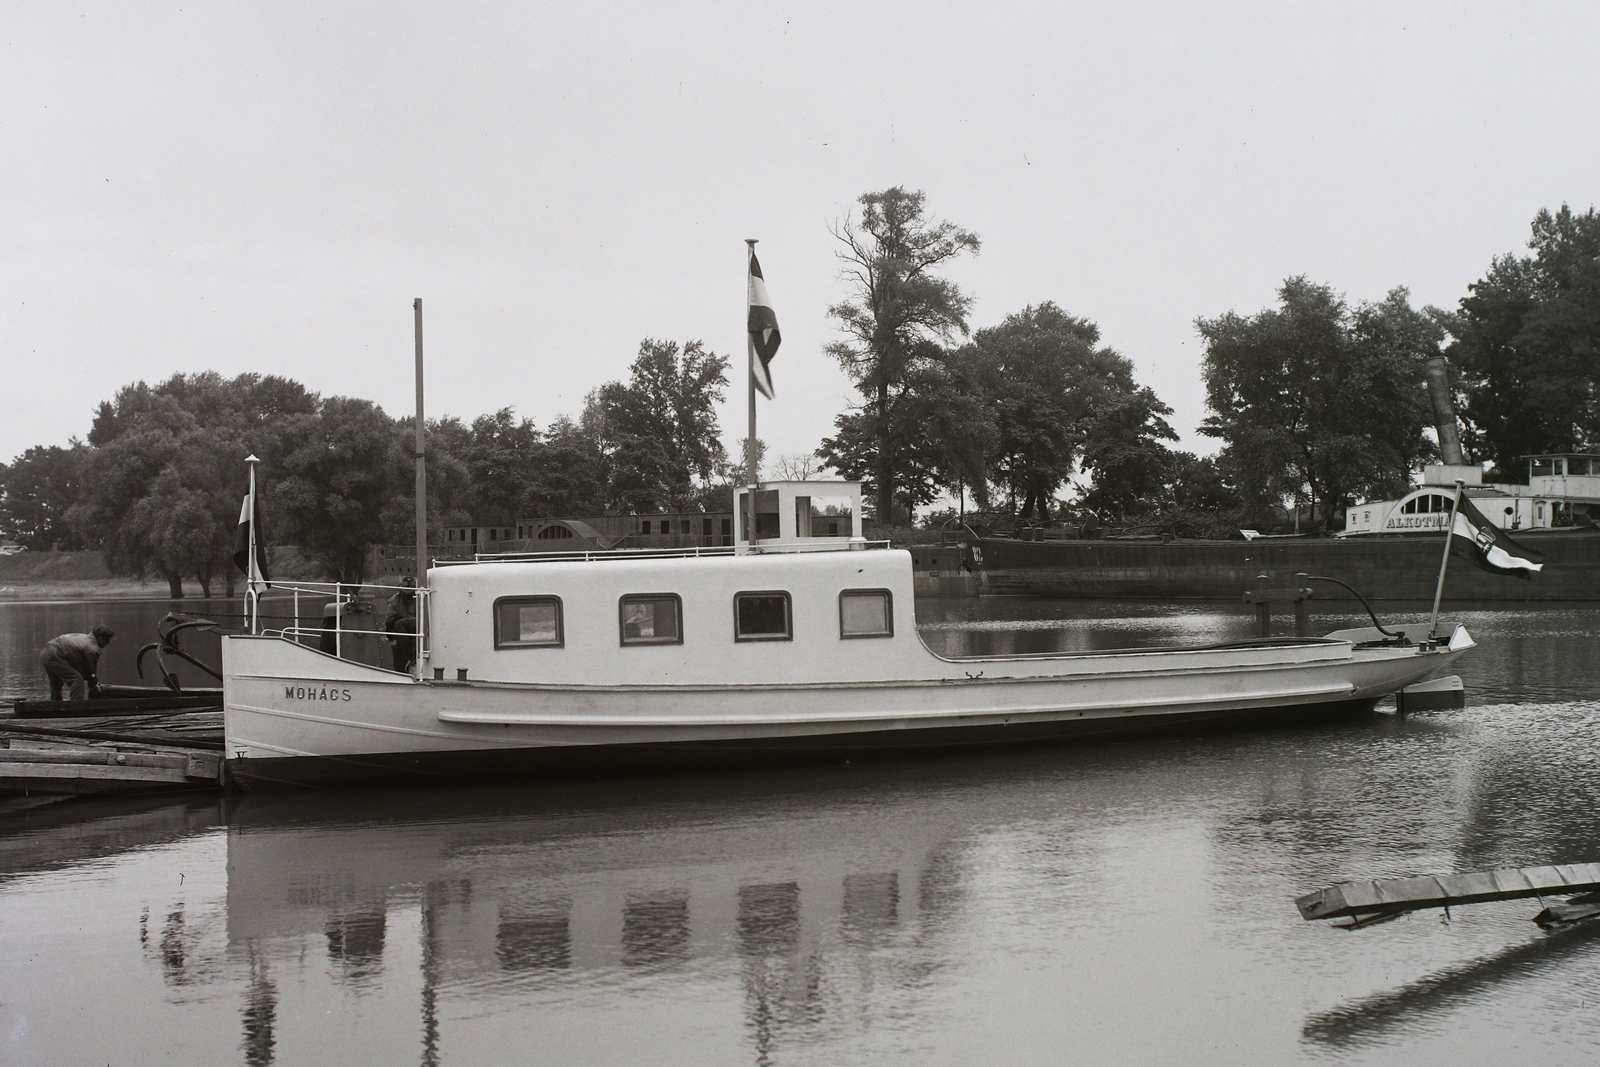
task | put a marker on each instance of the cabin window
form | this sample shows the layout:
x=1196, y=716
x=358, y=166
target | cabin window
x=527, y=622
x=866, y=613
x=552, y=533
x=652, y=619
x=762, y=616
x=1542, y=468
x=1578, y=466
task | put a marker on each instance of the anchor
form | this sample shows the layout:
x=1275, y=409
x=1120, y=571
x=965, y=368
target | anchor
x=168, y=630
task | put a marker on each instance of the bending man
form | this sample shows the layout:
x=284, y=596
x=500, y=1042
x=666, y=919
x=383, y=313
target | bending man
x=71, y=661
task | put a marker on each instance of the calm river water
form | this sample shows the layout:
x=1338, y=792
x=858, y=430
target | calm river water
x=1107, y=904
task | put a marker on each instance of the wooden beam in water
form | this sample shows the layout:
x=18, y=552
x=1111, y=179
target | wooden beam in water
x=1384, y=897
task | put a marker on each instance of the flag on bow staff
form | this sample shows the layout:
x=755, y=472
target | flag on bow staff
x=241, y=539
x=1488, y=546
x=764, y=336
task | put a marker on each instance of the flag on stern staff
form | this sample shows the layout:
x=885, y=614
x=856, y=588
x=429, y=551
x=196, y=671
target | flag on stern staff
x=1489, y=547
x=764, y=336
x=241, y=540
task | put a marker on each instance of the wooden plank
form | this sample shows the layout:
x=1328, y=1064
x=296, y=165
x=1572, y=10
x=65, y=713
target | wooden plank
x=101, y=772
x=104, y=756
x=1389, y=896
x=77, y=709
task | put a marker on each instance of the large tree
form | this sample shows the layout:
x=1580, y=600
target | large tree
x=941, y=444
x=336, y=480
x=36, y=492
x=181, y=442
x=1049, y=382
x=1526, y=345
x=899, y=318
x=1131, y=468
x=658, y=432
x=1315, y=400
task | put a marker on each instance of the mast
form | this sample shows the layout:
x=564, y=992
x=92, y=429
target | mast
x=751, y=462
x=417, y=668
x=1449, y=532
x=251, y=573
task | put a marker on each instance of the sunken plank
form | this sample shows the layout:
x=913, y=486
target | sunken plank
x=1384, y=896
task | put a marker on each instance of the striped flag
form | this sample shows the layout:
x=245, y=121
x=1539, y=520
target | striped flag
x=764, y=336
x=1488, y=546
x=241, y=541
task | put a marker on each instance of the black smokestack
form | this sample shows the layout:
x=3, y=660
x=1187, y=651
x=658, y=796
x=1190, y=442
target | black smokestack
x=1444, y=411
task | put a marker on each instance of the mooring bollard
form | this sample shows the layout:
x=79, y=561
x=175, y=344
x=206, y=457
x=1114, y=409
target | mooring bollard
x=1262, y=597
x=1263, y=609
x=1302, y=605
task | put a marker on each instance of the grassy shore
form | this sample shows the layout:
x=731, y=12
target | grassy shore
x=69, y=576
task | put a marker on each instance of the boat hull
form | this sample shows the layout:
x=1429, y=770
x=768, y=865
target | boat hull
x=297, y=717
x=1382, y=567
x=550, y=762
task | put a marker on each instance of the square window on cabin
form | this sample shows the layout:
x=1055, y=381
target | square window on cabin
x=866, y=613
x=527, y=622
x=652, y=620
x=761, y=617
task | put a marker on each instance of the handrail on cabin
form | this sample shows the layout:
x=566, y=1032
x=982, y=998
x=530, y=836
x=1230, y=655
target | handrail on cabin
x=832, y=544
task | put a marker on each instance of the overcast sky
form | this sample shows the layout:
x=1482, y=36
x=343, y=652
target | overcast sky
x=266, y=187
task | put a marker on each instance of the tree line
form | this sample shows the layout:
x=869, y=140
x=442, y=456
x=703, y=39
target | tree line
x=1315, y=401
x=157, y=484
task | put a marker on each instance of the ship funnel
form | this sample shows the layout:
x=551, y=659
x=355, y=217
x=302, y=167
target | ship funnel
x=1444, y=412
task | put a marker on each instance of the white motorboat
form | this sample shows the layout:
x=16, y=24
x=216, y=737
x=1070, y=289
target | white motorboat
x=790, y=647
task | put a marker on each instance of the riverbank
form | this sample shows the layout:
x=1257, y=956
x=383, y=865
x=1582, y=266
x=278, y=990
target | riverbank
x=85, y=576
x=67, y=576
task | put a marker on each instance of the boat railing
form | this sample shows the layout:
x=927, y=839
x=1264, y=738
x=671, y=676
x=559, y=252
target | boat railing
x=832, y=544
x=348, y=596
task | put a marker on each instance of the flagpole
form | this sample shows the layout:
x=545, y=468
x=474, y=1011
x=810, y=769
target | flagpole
x=417, y=666
x=251, y=596
x=1449, y=532
x=753, y=473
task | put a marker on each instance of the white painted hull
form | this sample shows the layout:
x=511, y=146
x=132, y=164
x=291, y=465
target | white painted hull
x=296, y=715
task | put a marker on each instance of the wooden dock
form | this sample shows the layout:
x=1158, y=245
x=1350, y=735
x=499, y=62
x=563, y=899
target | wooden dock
x=112, y=753
x=1386, y=898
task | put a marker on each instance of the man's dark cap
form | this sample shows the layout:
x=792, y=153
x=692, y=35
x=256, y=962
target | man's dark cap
x=103, y=633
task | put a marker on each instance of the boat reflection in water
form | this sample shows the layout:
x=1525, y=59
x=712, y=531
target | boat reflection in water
x=511, y=908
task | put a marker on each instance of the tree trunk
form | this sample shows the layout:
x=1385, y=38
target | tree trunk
x=227, y=578
x=204, y=578
x=175, y=585
x=885, y=503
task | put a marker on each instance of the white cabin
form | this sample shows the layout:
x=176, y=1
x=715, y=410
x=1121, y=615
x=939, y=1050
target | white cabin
x=808, y=601
x=780, y=618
